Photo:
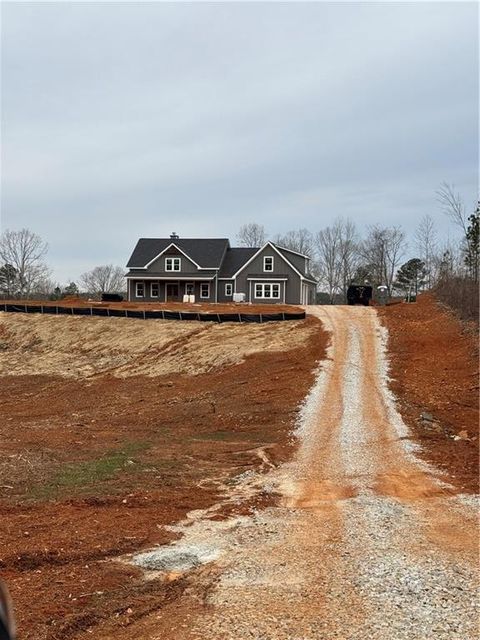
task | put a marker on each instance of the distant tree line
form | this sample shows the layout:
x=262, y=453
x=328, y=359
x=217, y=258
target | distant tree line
x=340, y=253
x=24, y=273
x=381, y=255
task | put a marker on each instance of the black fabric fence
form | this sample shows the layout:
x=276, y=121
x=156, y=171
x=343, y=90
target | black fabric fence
x=151, y=314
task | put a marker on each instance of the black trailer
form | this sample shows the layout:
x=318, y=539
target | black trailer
x=111, y=297
x=359, y=294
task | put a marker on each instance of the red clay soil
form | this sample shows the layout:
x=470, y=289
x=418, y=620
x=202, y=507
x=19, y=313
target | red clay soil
x=204, y=307
x=96, y=467
x=434, y=368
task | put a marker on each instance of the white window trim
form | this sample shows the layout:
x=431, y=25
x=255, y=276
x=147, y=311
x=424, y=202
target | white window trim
x=190, y=284
x=265, y=258
x=166, y=249
x=173, y=259
x=204, y=284
x=141, y=284
x=154, y=295
x=262, y=286
x=229, y=286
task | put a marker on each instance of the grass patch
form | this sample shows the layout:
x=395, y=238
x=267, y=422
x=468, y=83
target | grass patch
x=78, y=476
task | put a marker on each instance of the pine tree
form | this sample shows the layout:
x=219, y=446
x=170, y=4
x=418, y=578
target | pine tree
x=8, y=280
x=411, y=276
x=472, y=249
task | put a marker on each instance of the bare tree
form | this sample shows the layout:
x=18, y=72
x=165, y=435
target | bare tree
x=349, y=244
x=336, y=250
x=299, y=240
x=328, y=254
x=382, y=250
x=44, y=288
x=24, y=250
x=103, y=279
x=452, y=205
x=251, y=235
x=426, y=243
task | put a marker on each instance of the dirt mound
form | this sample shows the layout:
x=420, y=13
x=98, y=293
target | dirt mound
x=434, y=369
x=83, y=346
x=95, y=467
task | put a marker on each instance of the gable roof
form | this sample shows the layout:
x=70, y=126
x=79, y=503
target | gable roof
x=258, y=251
x=206, y=252
x=285, y=252
x=235, y=258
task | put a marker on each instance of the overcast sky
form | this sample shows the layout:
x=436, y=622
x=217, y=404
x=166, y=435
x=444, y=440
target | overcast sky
x=129, y=120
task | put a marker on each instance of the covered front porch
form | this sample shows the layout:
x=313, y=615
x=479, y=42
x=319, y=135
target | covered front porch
x=172, y=289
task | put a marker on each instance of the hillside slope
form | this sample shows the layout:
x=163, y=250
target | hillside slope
x=434, y=369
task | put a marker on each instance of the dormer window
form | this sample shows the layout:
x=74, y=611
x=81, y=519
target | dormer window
x=268, y=263
x=172, y=264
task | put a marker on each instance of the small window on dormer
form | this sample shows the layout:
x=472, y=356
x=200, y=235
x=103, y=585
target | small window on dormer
x=172, y=264
x=268, y=263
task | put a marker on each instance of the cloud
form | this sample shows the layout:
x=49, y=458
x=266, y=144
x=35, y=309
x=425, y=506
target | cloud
x=123, y=120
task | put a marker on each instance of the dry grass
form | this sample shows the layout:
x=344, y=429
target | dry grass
x=80, y=347
x=460, y=294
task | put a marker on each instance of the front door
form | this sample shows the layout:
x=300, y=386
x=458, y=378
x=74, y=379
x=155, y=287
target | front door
x=172, y=292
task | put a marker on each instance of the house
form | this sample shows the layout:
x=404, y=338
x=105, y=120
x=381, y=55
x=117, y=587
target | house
x=165, y=269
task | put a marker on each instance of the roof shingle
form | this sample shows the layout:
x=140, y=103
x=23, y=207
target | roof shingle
x=206, y=252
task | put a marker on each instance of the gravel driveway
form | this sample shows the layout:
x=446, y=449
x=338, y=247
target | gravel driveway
x=368, y=542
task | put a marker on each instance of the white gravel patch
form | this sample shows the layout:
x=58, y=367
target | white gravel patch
x=410, y=594
x=176, y=558
x=410, y=447
x=355, y=440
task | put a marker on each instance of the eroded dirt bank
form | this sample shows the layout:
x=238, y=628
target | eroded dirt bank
x=112, y=430
x=434, y=369
x=365, y=541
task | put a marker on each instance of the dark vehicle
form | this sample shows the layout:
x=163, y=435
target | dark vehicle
x=111, y=297
x=359, y=294
x=7, y=620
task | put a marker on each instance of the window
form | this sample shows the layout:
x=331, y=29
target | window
x=205, y=290
x=267, y=290
x=139, y=289
x=172, y=264
x=189, y=289
x=154, y=289
x=268, y=263
x=228, y=289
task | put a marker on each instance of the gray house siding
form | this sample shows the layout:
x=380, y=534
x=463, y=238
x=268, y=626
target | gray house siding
x=222, y=296
x=282, y=274
x=298, y=261
x=172, y=285
x=212, y=264
x=158, y=266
